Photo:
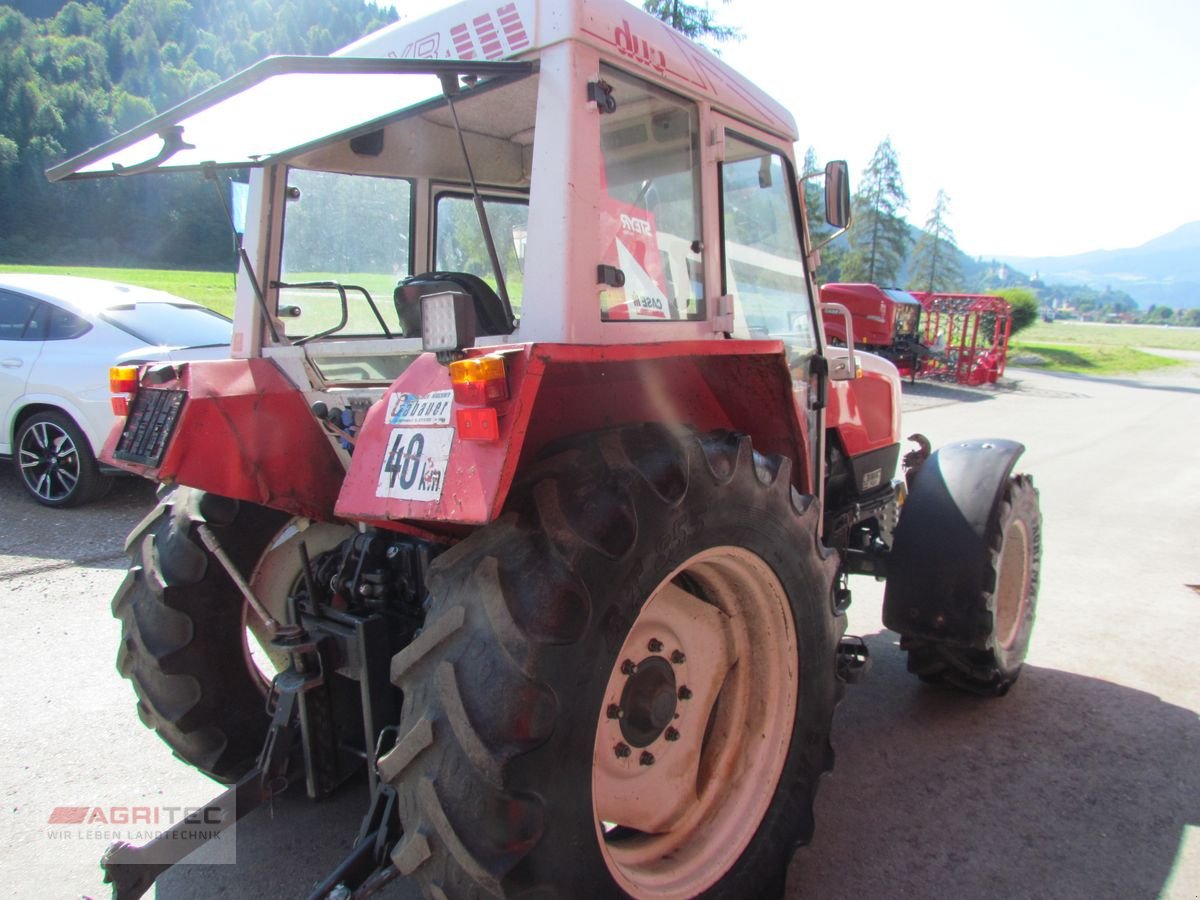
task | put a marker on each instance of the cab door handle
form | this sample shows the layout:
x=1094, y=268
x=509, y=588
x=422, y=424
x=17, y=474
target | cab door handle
x=12, y=363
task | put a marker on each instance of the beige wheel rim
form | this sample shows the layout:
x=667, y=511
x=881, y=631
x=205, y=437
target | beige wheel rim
x=274, y=578
x=695, y=725
x=1012, y=584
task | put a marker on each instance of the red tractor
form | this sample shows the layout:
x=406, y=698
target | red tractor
x=533, y=485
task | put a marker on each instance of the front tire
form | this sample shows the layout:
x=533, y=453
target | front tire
x=625, y=685
x=1007, y=602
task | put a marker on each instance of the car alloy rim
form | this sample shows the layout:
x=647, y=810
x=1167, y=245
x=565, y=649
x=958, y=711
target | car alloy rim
x=49, y=461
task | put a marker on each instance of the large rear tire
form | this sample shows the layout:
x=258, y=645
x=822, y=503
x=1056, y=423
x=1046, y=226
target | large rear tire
x=625, y=685
x=186, y=634
x=1007, y=602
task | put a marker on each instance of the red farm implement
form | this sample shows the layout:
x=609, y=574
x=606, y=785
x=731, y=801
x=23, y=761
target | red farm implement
x=967, y=335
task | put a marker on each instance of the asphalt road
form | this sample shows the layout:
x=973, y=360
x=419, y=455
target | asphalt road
x=1084, y=782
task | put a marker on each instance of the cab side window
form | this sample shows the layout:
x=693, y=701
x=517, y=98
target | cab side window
x=764, y=259
x=650, y=213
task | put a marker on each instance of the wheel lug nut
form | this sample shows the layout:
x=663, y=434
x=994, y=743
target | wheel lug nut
x=647, y=758
x=671, y=734
x=677, y=657
x=655, y=645
x=622, y=751
x=614, y=711
x=628, y=667
x=685, y=693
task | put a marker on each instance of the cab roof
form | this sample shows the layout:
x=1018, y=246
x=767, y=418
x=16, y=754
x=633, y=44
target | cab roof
x=287, y=105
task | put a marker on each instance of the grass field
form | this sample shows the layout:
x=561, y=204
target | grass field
x=1096, y=349
x=1148, y=336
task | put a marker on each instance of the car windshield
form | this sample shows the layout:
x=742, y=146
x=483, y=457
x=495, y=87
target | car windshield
x=170, y=324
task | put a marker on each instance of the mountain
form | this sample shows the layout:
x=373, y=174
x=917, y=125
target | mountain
x=1163, y=271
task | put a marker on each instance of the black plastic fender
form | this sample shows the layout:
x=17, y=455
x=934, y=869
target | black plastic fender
x=940, y=559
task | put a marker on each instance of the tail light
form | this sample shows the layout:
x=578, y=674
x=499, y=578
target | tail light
x=478, y=383
x=122, y=384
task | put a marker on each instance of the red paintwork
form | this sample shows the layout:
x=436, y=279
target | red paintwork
x=246, y=432
x=557, y=390
x=863, y=411
x=974, y=330
x=873, y=312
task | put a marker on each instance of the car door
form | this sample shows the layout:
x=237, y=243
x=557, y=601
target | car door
x=22, y=327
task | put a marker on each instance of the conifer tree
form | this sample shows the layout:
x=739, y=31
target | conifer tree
x=934, y=264
x=879, y=235
x=697, y=22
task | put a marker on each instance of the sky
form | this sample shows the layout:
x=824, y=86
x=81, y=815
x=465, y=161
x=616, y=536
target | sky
x=1054, y=126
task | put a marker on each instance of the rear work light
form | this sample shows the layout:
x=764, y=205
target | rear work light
x=122, y=384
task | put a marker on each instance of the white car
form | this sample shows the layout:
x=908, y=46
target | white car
x=58, y=337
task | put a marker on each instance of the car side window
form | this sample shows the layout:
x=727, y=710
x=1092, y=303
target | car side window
x=65, y=325
x=17, y=313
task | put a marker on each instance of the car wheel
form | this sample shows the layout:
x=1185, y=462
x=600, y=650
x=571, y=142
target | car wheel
x=56, y=463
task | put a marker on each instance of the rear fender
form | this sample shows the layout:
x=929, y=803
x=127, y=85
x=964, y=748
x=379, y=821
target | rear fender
x=558, y=391
x=940, y=555
x=245, y=432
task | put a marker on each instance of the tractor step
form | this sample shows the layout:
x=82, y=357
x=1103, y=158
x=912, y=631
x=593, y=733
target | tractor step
x=853, y=659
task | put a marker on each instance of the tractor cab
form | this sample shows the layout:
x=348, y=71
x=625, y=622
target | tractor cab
x=486, y=178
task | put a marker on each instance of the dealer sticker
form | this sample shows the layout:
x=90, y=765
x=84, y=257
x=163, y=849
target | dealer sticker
x=412, y=409
x=414, y=467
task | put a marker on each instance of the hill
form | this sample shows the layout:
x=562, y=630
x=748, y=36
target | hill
x=73, y=75
x=1163, y=271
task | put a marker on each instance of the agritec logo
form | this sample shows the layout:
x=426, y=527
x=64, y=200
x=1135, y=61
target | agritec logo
x=184, y=830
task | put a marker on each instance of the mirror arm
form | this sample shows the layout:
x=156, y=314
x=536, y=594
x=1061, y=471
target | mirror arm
x=825, y=243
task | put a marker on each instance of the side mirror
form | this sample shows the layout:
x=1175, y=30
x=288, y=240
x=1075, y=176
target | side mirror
x=837, y=193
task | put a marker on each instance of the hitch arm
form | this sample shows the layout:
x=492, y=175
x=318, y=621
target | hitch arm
x=132, y=870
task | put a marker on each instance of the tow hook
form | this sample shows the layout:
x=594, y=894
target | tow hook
x=853, y=659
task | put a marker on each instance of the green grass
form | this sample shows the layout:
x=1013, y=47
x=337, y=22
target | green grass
x=212, y=289
x=1084, y=359
x=1088, y=349
x=1150, y=336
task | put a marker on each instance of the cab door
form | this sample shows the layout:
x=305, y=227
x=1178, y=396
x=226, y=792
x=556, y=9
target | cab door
x=764, y=274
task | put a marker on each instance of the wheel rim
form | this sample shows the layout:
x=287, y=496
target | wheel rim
x=695, y=725
x=273, y=580
x=1012, y=584
x=50, y=463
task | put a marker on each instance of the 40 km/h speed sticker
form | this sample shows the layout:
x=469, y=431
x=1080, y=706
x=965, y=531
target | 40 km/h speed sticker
x=414, y=467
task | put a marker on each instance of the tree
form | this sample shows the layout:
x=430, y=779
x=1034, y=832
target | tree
x=934, y=265
x=879, y=235
x=697, y=22
x=73, y=74
x=1026, y=308
x=814, y=214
